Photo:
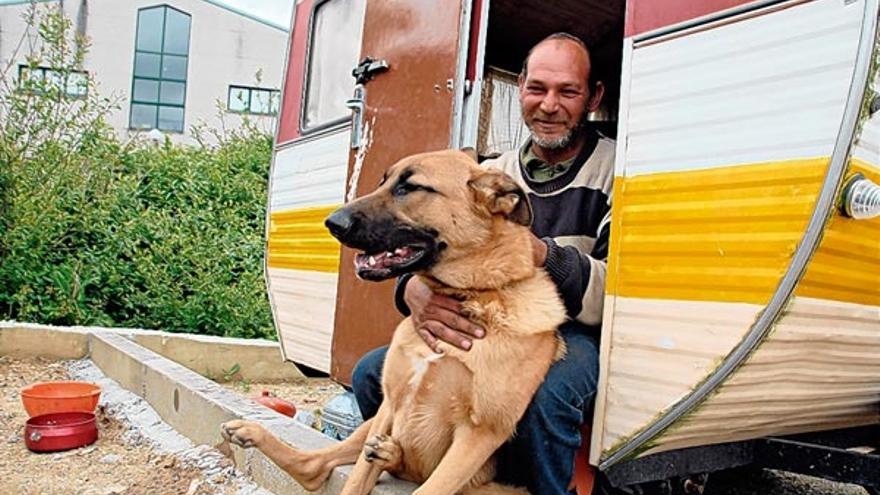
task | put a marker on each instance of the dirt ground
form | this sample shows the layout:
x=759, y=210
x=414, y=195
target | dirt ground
x=112, y=465
x=308, y=394
x=120, y=464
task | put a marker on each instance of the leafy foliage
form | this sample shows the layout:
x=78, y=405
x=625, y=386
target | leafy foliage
x=96, y=231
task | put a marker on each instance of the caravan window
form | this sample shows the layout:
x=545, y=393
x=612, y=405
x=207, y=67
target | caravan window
x=334, y=48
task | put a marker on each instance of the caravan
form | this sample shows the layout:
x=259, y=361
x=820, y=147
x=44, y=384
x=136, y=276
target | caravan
x=743, y=295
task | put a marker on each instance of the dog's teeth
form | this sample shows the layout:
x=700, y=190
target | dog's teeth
x=372, y=260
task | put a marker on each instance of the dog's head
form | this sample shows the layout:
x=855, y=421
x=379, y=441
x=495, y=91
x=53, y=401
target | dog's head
x=429, y=209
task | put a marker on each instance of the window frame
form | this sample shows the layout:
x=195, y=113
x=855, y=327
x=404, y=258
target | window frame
x=251, y=90
x=159, y=80
x=46, y=69
x=307, y=79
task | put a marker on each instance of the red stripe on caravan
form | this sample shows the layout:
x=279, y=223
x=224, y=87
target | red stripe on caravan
x=647, y=15
x=291, y=101
x=473, y=40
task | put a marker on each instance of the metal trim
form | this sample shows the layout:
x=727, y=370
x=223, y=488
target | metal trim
x=460, y=77
x=307, y=64
x=705, y=19
x=809, y=243
x=276, y=147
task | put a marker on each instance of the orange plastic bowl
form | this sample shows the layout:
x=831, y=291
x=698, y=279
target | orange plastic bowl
x=60, y=397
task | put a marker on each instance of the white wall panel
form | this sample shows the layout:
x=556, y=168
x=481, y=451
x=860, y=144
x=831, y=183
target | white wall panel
x=763, y=89
x=310, y=173
x=304, y=304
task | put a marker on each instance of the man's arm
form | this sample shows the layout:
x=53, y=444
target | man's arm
x=579, y=277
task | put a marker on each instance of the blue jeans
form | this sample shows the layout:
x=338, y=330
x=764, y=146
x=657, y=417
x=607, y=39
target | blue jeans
x=541, y=454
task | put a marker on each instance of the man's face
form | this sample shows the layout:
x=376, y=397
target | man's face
x=554, y=95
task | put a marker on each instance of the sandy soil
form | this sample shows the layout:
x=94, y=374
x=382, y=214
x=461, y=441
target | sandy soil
x=121, y=462
x=113, y=465
x=307, y=394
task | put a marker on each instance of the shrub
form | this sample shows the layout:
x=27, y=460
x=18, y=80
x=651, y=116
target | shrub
x=94, y=231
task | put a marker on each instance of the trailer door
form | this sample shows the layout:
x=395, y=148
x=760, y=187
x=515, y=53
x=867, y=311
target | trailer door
x=407, y=108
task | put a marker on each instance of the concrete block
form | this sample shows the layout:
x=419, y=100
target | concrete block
x=24, y=340
x=196, y=406
x=258, y=360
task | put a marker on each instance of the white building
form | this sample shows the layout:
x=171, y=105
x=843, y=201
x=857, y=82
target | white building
x=168, y=62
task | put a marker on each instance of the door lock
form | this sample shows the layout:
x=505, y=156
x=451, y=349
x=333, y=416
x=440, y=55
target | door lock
x=367, y=69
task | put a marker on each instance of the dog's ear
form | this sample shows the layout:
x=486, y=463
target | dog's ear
x=502, y=196
x=471, y=152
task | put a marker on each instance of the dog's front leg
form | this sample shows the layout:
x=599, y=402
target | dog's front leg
x=366, y=473
x=309, y=468
x=471, y=447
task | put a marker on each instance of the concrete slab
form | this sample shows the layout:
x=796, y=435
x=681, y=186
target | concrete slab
x=23, y=341
x=257, y=360
x=196, y=406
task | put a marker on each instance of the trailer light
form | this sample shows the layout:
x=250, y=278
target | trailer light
x=860, y=198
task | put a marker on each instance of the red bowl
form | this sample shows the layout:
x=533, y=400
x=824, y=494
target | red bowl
x=60, y=431
x=61, y=396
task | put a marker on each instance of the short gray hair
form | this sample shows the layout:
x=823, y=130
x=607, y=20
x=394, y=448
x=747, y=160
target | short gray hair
x=562, y=36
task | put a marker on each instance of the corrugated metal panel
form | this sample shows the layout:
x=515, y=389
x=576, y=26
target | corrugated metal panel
x=817, y=370
x=659, y=350
x=299, y=240
x=304, y=304
x=308, y=182
x=765, y=89
x=728, y=134
x=723, y=234
x=846, y=267
x=310, y=173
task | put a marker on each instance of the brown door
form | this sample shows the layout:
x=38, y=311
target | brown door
x=409, y=109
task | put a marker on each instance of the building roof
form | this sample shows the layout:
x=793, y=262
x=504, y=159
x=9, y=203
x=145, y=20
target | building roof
x=216, y=3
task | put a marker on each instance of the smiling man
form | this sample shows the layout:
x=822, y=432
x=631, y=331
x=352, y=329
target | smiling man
x=566, y=168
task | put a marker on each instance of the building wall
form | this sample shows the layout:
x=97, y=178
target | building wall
x=225, y=48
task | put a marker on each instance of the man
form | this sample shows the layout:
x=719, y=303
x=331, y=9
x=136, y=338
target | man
x=567, y=171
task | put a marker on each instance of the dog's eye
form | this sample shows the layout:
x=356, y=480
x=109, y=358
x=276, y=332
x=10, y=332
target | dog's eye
x=404, y=188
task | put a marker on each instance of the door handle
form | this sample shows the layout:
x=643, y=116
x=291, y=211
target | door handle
x=358, y=106
x=364, y=71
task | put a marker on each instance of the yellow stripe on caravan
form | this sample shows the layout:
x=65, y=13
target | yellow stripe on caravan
x=722, y=234
x=298, y=240
x=846, y=267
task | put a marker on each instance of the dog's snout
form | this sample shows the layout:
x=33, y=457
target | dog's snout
x=340, y=223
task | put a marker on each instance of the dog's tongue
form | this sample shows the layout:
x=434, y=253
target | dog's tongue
x=383, y=260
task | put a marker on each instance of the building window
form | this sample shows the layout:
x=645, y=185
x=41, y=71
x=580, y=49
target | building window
x=334, y=49
x=161, y=53
x=73, y=84
x=259, y=101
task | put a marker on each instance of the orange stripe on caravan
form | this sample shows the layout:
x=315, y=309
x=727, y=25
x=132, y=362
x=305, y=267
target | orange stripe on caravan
x=723, y=234
x=298, y=240
x=846, y=267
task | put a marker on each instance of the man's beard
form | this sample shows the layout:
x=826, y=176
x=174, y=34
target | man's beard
x=555, y=144
x=561, y=142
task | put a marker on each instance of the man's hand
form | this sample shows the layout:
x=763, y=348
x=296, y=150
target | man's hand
x=539, y=250
x=438, y=317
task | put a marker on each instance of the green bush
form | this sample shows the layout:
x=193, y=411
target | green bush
x=94, y=231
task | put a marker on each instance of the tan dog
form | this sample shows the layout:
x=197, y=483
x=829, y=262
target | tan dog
x=463, y=229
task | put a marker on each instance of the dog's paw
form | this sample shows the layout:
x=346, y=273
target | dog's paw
x=245, y=434
x=384, y=452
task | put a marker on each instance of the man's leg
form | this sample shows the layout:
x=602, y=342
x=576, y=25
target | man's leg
x=366, y=381
x=541, y=455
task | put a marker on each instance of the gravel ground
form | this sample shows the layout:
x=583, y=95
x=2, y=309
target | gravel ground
x=769, y=482
x=136, y=453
